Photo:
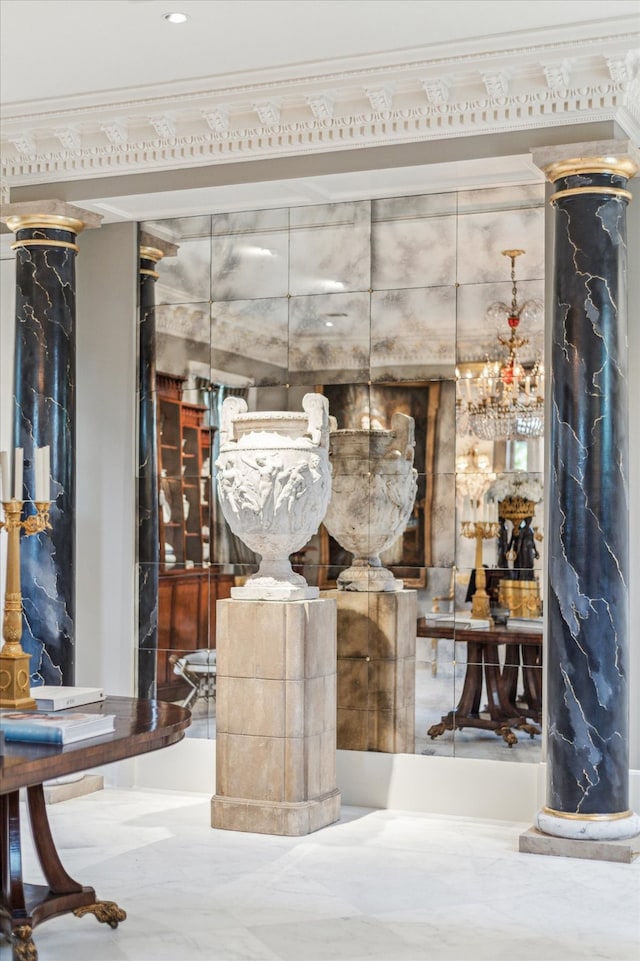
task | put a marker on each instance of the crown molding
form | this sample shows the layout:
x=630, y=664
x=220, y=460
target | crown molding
x=370, y=101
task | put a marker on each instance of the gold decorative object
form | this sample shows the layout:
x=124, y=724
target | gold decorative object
x=504, y=399
x=14, y=663
x=23, y=947
x=106, y=912
x=521, y=598
x=516, y=509
x=481, y=531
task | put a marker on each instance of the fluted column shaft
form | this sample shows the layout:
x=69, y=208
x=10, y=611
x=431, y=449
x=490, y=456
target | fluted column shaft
x=588, y=598
x=45, y=415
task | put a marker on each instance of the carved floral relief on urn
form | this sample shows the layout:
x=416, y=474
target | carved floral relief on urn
x=274, y=483
x=374, y=486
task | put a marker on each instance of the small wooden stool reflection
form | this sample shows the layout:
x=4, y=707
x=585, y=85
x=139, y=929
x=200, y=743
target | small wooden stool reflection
x=198, y=668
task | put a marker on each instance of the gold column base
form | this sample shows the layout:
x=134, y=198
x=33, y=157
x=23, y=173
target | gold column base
x=615, y=816
x=15, y=690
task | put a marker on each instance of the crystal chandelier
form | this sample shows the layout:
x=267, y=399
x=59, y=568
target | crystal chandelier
x=473, y=476
x=505, y=400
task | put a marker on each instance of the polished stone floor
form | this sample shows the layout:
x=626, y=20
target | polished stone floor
x=379, y=885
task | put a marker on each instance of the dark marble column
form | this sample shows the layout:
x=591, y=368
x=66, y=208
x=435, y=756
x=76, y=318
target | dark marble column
x=587, y=603
x=151, y=250
x=148, y=537
x=44, y=414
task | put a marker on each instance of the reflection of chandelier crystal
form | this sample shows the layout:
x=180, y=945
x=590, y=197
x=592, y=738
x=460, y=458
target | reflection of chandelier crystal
x=506, y=398
x=473, y=476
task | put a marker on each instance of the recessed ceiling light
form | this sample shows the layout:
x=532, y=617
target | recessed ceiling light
x=175, y=17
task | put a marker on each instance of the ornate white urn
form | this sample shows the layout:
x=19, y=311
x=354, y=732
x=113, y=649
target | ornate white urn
x=374, y=487
x=274, y=482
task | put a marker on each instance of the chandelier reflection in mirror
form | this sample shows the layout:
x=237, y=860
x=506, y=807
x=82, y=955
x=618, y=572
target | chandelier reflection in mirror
x=473, y=477
x=505, y=400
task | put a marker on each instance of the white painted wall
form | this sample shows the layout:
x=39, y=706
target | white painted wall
x=106, y=410
x=106, y=413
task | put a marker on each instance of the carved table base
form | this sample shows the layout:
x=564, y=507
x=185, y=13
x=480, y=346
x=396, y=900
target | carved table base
x=23, y=906
x=503, y=717
x=503, y=714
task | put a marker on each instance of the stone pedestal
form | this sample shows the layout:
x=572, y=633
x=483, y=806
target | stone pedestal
x=64, y=789
x=376, y=670
x=276, y=717
x=623, y=851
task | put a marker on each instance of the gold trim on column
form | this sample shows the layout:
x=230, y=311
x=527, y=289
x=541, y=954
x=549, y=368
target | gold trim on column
x=623, y=166
x=572, y=191
x=151, y=253
x=33, y=221
x=587, y=817
x=149, y=273
x=44, y=243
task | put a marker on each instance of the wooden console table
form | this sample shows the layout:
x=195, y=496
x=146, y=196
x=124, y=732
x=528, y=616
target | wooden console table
x=523, y=649
x=141, y=726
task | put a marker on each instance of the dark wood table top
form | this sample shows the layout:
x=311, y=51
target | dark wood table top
x=494, y=635
x=141, y=726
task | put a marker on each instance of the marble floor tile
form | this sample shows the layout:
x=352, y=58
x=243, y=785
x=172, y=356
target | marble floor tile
x=378, y=885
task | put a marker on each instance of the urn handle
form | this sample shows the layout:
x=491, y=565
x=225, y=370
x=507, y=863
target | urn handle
x=231, y=408
x=317, y=407
x=404, y=430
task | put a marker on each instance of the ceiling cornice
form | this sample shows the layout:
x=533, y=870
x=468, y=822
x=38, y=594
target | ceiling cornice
x=428, y=94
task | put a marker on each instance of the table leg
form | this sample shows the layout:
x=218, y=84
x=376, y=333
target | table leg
x=23, y=905
x=532, y=680
x=483, y=664
x=466, y=714
x=511, y=671
x=15, y=922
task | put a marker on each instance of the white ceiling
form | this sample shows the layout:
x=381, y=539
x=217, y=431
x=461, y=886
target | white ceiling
x=65, y=57
x=65, y=48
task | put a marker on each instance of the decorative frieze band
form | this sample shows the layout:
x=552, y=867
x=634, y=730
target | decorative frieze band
x=400, y=103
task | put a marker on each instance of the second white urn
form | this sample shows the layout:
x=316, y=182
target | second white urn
x=374, y=488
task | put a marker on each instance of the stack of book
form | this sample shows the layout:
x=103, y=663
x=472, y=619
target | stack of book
x=50, y=697
x=461, y=621
x=51, y=728
x=53, y=722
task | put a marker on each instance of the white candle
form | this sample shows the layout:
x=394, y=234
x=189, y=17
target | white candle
x=37, y=472
x=45, y=471
x=5, y=491
x=42, y=473
x=18, y=456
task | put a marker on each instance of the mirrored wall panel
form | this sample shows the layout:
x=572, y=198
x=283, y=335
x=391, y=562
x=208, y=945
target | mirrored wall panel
x=419, y=310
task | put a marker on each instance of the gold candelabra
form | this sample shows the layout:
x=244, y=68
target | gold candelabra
x=15, y=690
x=481, y=531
